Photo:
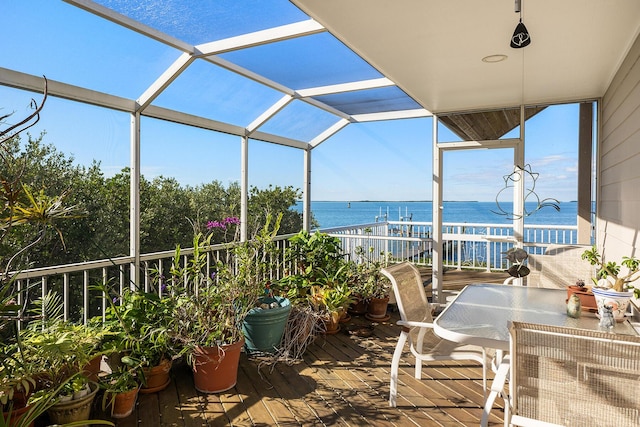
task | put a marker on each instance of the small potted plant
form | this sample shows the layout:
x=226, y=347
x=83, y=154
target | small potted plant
x=586, y=297
x=373, y=286
x=140, y=323
x=121, y=387
x=332, y=301
x=612, y=285
x=62, y=350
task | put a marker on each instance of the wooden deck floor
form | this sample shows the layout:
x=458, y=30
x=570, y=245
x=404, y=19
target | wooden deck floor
x=342, y=381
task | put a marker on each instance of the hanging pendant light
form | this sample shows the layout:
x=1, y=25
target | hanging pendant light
x=521, y=37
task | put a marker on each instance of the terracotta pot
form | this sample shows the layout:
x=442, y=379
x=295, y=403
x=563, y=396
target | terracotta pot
x=587, y=299
x=157, y=378
x=73, y=410
x=377, y=310
x=359, y=307
x=16, y=415
x=93, y=368
x=332, y=323
x=123, y=404
x=215, y=369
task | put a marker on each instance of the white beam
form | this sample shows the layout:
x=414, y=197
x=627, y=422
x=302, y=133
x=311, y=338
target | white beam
x=269, y=113
x=306, y=194
x=244, y=188
x=280, y=140
x=346, y=87
x=328, y=133
x=270, y=35
x=32, y=83
x=125, y=21
x=169, y=75
x=392, y=115
x=436, y=211
x=134, y=198
x=470, y=145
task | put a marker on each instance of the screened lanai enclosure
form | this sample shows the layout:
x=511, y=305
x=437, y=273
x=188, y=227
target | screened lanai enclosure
x=296, y=74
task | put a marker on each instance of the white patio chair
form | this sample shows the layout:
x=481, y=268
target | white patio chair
x=569, y=377
x=417, y=327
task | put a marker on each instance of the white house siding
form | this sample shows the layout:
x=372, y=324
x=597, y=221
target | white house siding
x=618, y=221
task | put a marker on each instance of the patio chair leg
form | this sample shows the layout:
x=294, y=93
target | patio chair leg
x=418, y=364
x=497, y=388
x=395, y=362
x=484, y=373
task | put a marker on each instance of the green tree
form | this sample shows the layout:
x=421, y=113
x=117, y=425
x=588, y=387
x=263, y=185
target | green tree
x=272, y=201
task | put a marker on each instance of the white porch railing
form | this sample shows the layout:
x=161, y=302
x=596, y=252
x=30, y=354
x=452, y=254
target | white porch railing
x=468, y=245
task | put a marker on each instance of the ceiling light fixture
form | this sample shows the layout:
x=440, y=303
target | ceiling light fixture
x=521, y=37
x=494, y=58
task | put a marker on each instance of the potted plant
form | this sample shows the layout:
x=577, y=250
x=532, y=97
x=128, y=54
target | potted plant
x=140, y=322
x=372, y=285
x=332, y=301
x=612, y=287
x=584, y=294
x=121, y=387
x=210, y=307
x=62, y=350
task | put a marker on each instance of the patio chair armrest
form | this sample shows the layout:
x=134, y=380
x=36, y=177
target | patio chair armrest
x=412, y=324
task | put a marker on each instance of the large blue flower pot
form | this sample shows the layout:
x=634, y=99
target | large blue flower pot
x=263, y=329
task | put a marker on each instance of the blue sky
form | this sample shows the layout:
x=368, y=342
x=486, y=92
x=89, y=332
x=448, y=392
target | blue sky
x=372, y=161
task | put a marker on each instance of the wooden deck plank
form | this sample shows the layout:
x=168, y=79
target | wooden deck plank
x=342, y=381
x=148, y=409
x=191, y=406
x=169, y=405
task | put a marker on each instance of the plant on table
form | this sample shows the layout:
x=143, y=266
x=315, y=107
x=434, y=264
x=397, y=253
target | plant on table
x=610, y=274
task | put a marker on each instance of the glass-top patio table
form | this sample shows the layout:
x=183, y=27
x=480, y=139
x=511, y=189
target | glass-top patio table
x=480, y=314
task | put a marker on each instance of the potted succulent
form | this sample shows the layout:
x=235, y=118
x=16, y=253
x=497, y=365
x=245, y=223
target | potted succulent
x=211, y=306
x=612, y=286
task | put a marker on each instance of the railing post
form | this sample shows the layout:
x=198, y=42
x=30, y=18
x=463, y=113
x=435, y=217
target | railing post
x=65, y=296
x=488, y=255
x=85, y=289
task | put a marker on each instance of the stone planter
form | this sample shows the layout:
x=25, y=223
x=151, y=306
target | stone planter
x=73, y=410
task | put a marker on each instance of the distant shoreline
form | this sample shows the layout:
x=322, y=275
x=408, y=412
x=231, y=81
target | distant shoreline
x=414, y=201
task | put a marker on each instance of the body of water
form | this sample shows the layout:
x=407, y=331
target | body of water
x=335, y=214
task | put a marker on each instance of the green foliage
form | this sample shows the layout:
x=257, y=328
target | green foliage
x=609, y=271
x=210, y=308
x=314, y=257
x=367, y=281
x=169, y=211
x=140, y=322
